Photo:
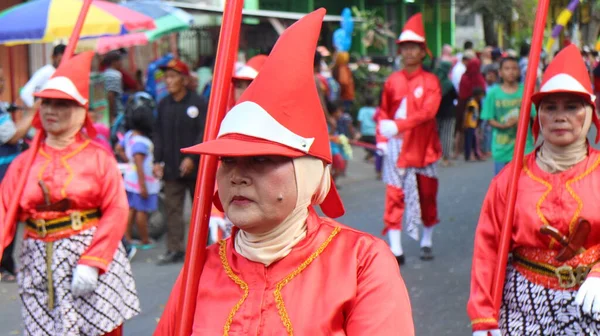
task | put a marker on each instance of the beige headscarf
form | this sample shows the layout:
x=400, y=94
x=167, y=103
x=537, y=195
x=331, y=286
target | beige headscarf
x=555, y=159
x=313, y=181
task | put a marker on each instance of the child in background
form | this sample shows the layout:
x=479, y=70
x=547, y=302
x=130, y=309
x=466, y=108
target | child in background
x=141, y=185
x=501, y=110
x=367, y=125
x=470, y=124
x=491, y=79
x=339, y=158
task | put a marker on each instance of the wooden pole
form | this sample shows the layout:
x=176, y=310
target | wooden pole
x=523, y=127
x=205, y=182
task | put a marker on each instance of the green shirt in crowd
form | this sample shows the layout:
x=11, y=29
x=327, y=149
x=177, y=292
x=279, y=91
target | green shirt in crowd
x=501, y=106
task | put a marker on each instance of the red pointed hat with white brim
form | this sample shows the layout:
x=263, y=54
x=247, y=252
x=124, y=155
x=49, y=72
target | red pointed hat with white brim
x=567, y=73
x=414, y=32
x=71, y=81
x=251, y=69
x=280, y=113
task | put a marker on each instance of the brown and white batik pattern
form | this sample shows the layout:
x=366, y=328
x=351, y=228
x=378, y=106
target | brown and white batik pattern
x=533, y=310
x=406, y=179
x=113, y=302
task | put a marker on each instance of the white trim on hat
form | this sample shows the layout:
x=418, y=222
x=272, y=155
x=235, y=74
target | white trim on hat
x=565, y=82
x=246, y=72
x=249, y=118
x=410, y=36
x=65, y=85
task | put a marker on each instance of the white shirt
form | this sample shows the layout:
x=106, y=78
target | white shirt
x=36, y=83
x=457, y=72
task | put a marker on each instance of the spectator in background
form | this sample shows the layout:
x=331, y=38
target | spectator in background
x=486, y=57
x=470, y=80
x=343, y=75
x=445, y=115
x=321, y=85
x=490, y=73
x=193, y=83
x=368, y=126
x=501, y=109
x=461, y=66
x=130, y=83
x=447, y=55
x=179, y=124
x=40, y=77
x=113, y=83
x=205, y=72
x=492, y=78
x=471, y=123
x=11, y=134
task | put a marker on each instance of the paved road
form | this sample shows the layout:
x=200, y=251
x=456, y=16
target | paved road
x=438, y=289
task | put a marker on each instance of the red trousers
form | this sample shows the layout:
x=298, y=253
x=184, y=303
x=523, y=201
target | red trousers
x=394, y=204
x=116, y=332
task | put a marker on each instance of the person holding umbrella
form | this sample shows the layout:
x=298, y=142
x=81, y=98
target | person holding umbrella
x=74, y=276
x=552, y=284
x=282, y=257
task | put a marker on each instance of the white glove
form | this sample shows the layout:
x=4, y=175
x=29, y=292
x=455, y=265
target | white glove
x=214, y=224
x=388, y=128
x=85, y=280
x=494, y=332
x=382, y=147
x=588, y=296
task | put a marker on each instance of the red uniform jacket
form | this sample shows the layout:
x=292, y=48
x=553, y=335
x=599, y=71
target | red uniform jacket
x=85, y=173
x=336, y=281
x=421, y=145
x=558, y=199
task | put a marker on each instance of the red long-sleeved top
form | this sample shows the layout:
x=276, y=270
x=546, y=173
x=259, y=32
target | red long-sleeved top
x=557, y=199
x=421, y=143
x=83, y=172
x=336, y=281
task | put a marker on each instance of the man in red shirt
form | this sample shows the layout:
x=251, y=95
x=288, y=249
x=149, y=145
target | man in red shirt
x=407, y=135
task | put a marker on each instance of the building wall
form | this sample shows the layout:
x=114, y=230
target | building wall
x=469, y=27
x=15, y=63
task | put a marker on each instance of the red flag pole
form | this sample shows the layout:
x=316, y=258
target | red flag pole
x=530, y=79
x=35, y=144
x=205, y=182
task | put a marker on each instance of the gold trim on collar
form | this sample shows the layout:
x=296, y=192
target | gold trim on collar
x=237, y=280
x=277, y=293
x=569, y=190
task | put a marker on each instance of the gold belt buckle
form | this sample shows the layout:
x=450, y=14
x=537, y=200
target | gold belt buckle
x=40, y=227
x=76, y=220
x=566, y=271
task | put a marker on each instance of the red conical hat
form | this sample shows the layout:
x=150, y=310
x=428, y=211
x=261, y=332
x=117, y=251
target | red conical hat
x=251, y=69
x=280, y=113
x=567, y=73
x=414, y=31
x=70, y=81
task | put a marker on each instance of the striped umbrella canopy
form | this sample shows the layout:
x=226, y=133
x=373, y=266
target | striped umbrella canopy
x=168, y=19
x=42, y=21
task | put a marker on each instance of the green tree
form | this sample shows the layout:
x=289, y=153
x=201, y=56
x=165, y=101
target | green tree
x=375, y=31
x=516, y=16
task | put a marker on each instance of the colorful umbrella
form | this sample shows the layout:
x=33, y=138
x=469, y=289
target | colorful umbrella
x=168, y=19
x=42, y=21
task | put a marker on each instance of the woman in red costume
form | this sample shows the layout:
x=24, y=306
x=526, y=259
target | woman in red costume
x=552, y=284
x=75, y=278
x=285, y=270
